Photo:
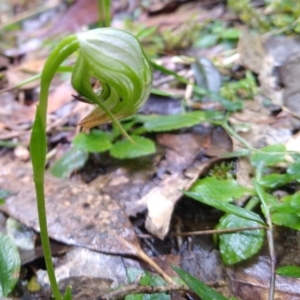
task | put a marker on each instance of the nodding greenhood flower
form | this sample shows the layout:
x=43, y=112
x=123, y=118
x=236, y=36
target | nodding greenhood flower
x=116, y=59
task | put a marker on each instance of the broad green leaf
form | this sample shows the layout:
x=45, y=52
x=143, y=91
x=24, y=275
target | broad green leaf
x=10, y=264
x=287, y=212
x=294, y=170
x=295, y=199
x=231, y=33
x=290, y=271
x=289, y=204
x=207, y=40
x=226, y=207
x=202, y=290
x=285, y=208
x=269, y=155
x=96, y=141
x=126, y=149
x=286, y=219
x=238, y=246
x=72, y=160
x=275, y=180
x=218, y=189
x=172, y=122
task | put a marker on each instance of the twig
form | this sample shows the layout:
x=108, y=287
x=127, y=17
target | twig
x=267, y=214
x=138, y=289
x=137, y=250
x=204, y=232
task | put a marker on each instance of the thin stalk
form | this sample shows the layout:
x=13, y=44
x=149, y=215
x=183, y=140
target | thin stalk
x=63, y=69
x=104, y=13
x=252, y=203
x=263, y=199
x=38, y=148
x=233, y=133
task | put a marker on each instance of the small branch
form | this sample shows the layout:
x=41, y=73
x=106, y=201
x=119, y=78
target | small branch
x=136, y=249
x=204, y=232
x=138, y=289
x=142, y=255
x=262, y=197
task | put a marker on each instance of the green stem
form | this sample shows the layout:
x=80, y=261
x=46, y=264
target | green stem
x=104, y=14
x=38, y=147
x=231, y=132
x=252, y=203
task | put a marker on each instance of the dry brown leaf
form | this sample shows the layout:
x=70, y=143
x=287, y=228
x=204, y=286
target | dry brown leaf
x=251, y=280
x=77, y=214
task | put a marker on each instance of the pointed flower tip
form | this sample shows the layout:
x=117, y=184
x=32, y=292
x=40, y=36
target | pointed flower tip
x=116, y=59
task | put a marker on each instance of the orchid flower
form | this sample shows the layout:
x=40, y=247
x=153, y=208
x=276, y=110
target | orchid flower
x=116, y=59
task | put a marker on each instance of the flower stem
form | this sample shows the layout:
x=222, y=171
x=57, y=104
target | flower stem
x=38, y=148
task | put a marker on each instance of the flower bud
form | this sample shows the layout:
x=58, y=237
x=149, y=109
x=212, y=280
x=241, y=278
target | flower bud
x=116, y=59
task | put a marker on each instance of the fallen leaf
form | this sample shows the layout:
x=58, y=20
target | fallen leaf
x=77, y=214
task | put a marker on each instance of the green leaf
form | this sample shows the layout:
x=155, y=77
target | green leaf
x=231, y=33
x=275, y=180
x=238, y=246
x=294, y=170
x=126, y=149
x=207, y=40
x=96, y=141
x=295, y=199
x=146, y=279
x=287, y=211
x=72, y=160
x=226, y=207
x=290, y=271
x=202, y=290
x=269, y=155
x=286, y=219
x=172, y=122
x=10, y=264
x=223, y=190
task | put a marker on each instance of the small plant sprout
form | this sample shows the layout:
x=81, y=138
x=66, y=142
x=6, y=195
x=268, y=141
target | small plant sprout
x=116, y=59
